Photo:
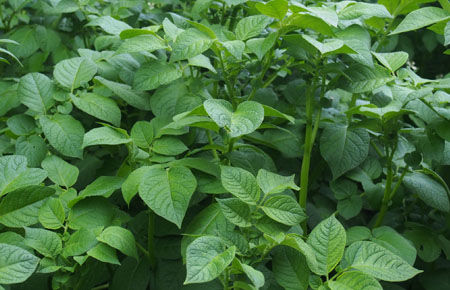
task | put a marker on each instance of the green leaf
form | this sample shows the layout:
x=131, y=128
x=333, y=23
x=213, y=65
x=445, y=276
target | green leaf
x=170, y=29
x=350, y=207
x=246, y=119
x=26, y=36
x=428, y=190
x=36, y=92
x=235, y=48
x=14, y=174
x=190, y=43
x=33, y=148
x=255, y=276
x=31, y=176
x=260, y=46
x=271, y=112
x=104, y=253
x=358, y=233
x=305, y=20
x=359, y=40
x=20, y=208
x=102, y=108
x=109, y=24
x=168, y=191
x=154, y=74
x=290, y=268
x=273, y=183
x=297, y=243
x=235, y=211
x=64, y=133
x=251, y=26
x=388, y=238
x=202, y=61
x=10, y=168
x=60, y=171
x=46, y=242
x=343, y=148
x=130, y=186
x=328, y=47
x=169, y=146
x=327, y=240
x=392, y=60
x=141, y=43
x=274, y=231
x=275, y=8
x=202, y=164
x=364, y=10
x=21, y=124
x=354, y=280
x=74, y=72
x=206, y=258
x=284, y=209
x=91, y=213
x=51, y=214
x=173, y=99
x=126, y=93
x=104, y=136
x=102, y=186
x=142, y=134
x=378, y=262
x=12, y=238
x=133, y=275
x=240, y=183
x=420, y=18
x=16, y=264
x=79, y=243
x=120, y=239
x=209, y=221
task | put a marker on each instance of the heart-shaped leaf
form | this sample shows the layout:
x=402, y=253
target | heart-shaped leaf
x=246, y=119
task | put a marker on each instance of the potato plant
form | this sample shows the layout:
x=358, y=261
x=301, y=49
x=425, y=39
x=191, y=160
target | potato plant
x=230, y=144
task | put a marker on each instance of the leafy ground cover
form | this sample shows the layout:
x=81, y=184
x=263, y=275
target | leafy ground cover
x=227, y=144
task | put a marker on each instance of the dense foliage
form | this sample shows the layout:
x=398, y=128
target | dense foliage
x=227, y=144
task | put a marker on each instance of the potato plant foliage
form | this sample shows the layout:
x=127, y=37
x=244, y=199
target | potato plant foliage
x=229, y=144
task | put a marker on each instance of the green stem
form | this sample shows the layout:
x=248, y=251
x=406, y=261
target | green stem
x=380, y=154
x=317, y=121
x=151, y=239
x=143, y=250
x=211, y=142
x=234, y=13
x=304, y=174
x=227, y=81
x=224, y=10
x=311, y=133
x=231, y=144
x=380, y=41
x=104, y=286
x=226, y=280
x=267, y=61
x=275, y=74
x=387, y=189
x=399, y=182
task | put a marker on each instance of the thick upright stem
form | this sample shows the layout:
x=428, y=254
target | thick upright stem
x=386, y=197
x=387, y=189
x=304, y=174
